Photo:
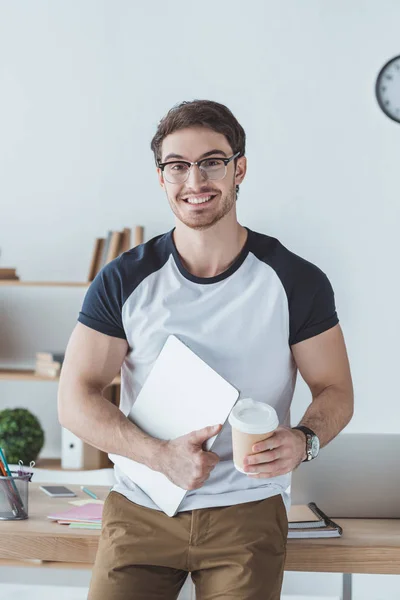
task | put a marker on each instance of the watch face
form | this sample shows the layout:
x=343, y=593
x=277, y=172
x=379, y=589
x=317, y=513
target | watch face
x=314, y=446
x=387, y=89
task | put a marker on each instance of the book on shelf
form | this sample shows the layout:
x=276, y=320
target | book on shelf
x=106, y=246
x=48, y=356
x=96, y=258
x=48, y=371
x=48, y=364
x=43, y=366
x=139, y=235
x=8, y=274
x=113, y=245
x=126, y=240
x=308, y=521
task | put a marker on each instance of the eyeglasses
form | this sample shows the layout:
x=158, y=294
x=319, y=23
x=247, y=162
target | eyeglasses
x=177, y=171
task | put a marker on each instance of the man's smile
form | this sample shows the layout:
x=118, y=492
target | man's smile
x=199, y=199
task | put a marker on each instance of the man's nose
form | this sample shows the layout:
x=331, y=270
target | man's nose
x=195, y=176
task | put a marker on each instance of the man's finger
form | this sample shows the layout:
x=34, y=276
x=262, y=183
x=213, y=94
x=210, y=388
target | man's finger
x=264, y=457
x=200, y=436
x=268, y=469
x=212, y=458
x=269, y=444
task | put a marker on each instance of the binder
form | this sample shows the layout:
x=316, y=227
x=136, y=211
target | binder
x=181, y=394
x=76, y=454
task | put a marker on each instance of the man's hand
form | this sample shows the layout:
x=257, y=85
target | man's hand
x=184, y=461
x=279, y=454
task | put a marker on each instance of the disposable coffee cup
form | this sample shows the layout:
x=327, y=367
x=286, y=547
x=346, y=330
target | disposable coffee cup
x=251, y=422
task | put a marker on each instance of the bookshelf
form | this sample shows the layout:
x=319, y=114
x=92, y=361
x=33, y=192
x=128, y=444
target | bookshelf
x=30, y=375
x=112, y=393
x=52, y=464
x=104, y=250
x=16, y=282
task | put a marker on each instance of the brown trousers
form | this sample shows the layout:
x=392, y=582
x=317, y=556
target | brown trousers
x=231, y=551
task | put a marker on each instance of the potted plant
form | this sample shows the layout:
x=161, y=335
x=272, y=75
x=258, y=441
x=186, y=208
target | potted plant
x=21, y=435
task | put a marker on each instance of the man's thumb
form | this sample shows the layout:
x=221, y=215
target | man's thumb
x=201, y=435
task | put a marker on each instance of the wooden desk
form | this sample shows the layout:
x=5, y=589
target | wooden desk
x=367, y=545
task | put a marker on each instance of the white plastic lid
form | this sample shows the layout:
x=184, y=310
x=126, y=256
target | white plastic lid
x=251, y=416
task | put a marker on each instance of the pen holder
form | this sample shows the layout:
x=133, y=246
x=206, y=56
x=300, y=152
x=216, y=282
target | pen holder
x=14, y=497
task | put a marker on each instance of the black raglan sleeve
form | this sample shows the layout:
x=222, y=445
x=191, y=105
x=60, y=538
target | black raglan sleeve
x=312, y=307
x=102, y=305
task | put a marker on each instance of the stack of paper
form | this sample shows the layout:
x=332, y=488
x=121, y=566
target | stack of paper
x=85, y=516
x=308, y=521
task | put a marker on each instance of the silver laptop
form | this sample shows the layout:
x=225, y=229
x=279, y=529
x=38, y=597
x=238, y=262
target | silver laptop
x=355, y=475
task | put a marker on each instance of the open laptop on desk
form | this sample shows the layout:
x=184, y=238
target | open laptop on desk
x=356, y=475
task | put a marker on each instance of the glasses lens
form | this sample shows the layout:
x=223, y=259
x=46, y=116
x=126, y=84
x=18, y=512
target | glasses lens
x=213, y=168
x=210, y=168
x=176, y=172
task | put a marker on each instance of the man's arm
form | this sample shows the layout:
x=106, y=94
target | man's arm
x=92, y=360
x=324, y=366
x=323, y=363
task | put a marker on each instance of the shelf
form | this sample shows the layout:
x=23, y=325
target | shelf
x=30, y=375
x=49, y=463
x=54, y=464
x=9, y=282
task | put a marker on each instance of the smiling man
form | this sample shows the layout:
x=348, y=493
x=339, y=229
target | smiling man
x=257, y=314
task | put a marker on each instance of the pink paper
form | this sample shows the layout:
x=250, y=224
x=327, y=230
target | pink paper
x=87, y=512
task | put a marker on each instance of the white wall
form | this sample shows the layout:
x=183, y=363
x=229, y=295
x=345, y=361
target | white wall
x=82, y=87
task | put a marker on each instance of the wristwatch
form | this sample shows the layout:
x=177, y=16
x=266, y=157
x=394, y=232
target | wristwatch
x=312, y=442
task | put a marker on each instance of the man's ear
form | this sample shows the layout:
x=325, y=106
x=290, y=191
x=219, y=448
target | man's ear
x=241, y=168
x=160, y=177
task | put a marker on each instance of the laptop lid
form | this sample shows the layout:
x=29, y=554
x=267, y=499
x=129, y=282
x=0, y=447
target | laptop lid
x=355, y=475
x=181, y=394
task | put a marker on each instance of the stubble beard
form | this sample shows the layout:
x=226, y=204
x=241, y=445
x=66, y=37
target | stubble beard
x=202, y=222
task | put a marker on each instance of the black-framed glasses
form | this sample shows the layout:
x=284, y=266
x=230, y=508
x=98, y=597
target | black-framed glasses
x=177, y=171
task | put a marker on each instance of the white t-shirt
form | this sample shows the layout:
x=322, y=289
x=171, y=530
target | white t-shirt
x=241, y=322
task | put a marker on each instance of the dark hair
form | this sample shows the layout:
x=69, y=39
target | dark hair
x=204, y=113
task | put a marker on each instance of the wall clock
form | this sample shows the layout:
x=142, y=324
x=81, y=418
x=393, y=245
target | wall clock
x=387, y=89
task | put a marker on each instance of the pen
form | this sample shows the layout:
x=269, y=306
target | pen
x=8, y=491
x=8, y=472
x=88, y=492
x=17, y=506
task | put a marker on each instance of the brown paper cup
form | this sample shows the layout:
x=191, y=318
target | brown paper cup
x=251, y=422
x=242, y=444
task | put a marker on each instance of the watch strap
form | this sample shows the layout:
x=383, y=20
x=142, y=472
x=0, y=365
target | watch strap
x=308, y=432
x=305, y=429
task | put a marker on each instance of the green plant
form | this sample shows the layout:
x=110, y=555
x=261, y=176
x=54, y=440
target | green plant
x=21, y=435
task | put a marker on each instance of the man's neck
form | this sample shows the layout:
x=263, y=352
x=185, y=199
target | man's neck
x=209, y=252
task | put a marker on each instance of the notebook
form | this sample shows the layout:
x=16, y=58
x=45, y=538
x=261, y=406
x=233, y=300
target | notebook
x=305, y=515
x=319, y=532
x=323, y=528
x=85, y=513
x=93, y=525
x=181, y=394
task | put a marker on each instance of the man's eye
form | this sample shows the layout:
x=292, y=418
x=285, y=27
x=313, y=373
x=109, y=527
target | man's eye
x=212, y=162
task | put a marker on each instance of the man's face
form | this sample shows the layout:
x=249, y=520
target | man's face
x=191, y=144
